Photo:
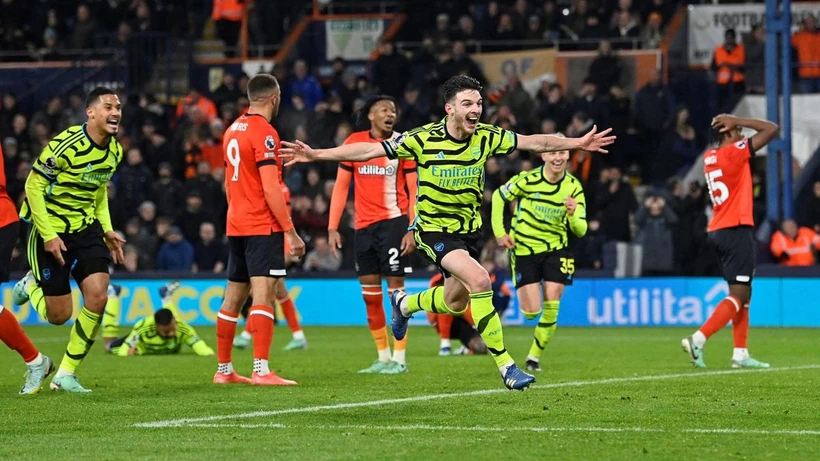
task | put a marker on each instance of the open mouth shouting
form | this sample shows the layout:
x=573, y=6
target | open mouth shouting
x=388, y=123
x=113, y=123
x=471, y=121
x=558, y=164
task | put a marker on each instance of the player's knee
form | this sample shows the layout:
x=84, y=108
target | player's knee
x=96, y=301
x=58, y=316
x=530, y=312
x=479, y=281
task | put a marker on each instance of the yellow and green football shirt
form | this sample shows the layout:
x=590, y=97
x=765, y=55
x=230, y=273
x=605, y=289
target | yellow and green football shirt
x=148, y=342
x=541, y=222
x=72, y=173
x=450, y=173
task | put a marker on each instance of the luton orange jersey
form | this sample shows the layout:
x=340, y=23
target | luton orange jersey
x=249, y=143
x=729, y=179
x=382, y=187
x=8, y=212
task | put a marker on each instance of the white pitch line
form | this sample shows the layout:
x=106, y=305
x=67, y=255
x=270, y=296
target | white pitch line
x=426, y=427
x=422, y=398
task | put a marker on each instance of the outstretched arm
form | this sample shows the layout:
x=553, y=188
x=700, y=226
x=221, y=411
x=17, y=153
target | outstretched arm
x=354, y=152
x=592, y=142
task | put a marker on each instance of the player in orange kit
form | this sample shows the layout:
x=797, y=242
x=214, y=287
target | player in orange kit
x=39, y=366
x=385, y=193
x=731, y=231
x=258, y=224
x=299, y=341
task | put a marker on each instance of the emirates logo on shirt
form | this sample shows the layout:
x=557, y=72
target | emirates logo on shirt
x=376, y=170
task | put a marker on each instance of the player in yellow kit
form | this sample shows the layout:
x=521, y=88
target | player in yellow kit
x=550, y=204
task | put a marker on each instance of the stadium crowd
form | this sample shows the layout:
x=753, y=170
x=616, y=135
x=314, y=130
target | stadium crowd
x=167, y=197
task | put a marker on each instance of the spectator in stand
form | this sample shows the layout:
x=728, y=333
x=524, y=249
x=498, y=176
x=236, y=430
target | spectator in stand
x=678, y=149
x=461, y=63
x=442, y=33
x=654, y=114
x=8, y=109
x=809, y=208
x=807, y=43
x=322, y=123
x=51, y=114
x=195, y=98
x=74, y=114
x=506, y=30
x=145, y=243
x=535, y=32
x=210, y=253
x=520, y=103
x=305, y=85
x=314, y=186
x=625, y=30
x=19, y=131
x=466, y=30
x=664, y=8
x=176, y=254
x=390, y=70
x=167, y=191
x=552, y=104
x=227, y=16
x=135, y=180
x=618, y=110
x=147, y=213
x=727, y=63
x=50, y=51
x=153, y=145
x=755, y=45
x=489, y=20
x=414, y=109
x=605, y=70
x=212, y=147
x=652, y=34
x=291, y=117
x=794, y=246
x=227, y=91
x=615, y=201
x=117, y=211
x=590, y=103
x=209, y=189
x=191, y=218
x=589, y=251
x=655, y=222
x=83, y=29
x=320, y=258
x=131, y=264
x=548, y=126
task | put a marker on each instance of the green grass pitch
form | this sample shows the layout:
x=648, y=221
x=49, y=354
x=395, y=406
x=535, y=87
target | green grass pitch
x=604, y=394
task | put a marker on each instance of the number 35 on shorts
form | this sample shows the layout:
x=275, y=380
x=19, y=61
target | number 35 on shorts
x=567, y=266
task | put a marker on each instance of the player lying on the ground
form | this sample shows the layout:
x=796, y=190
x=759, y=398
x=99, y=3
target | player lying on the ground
x=731, y=231
x=160, y=333
x=384, y=198
x=113, y=314
x=38, y=365
x=550, y=203
x=450, y=155
x=462, y=327
x=71, y=234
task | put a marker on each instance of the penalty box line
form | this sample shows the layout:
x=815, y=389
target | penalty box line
x=423, y=398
